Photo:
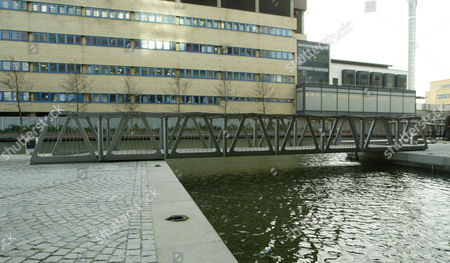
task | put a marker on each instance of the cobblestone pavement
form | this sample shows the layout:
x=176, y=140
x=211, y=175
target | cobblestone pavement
x=55, y=213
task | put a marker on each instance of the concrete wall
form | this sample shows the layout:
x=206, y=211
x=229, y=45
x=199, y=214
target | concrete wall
x=352, y=100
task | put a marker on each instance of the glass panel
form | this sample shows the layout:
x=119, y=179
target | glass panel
x=53, y=68
x=24, y=36
x=44, y=67
x=166, y=45
x=15, y=35
x=52, y=38
x=5, y=35
x=62, y=68
x=53, y=9
x=61, y=38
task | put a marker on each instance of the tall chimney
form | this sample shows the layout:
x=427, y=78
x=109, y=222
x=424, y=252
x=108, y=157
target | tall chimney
x=412, y=45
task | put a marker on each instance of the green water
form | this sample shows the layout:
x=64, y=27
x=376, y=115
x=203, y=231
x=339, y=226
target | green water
x=321, y=208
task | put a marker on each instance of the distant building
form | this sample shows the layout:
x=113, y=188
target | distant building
x=329, y=86
x=439, y=93
x=344, y=72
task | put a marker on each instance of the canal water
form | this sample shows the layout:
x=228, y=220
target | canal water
x=321, y=208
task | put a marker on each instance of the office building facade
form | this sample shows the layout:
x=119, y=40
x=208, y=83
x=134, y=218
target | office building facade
x=159, y=56
x=439, y=93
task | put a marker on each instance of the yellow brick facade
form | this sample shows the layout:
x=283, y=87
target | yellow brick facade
x=32, y=52
x=439, y=93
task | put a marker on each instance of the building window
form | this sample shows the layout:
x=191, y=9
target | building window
x=155, y=45
x=445, y=96
x=108, y=13
x=199, y=48
x=56, y=9
x=250, y=28
x=248, y=52
x=13, y=4
x=154, y=18
x=14, y=66
x=108, y=42
x=13, y=35
x=198, y=22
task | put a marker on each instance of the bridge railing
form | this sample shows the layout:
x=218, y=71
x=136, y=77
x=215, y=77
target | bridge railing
x=92, y=137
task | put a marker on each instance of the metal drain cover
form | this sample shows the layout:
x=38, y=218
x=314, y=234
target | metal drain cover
x=177, y=218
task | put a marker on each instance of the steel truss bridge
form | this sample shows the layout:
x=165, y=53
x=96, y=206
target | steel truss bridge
x=126, y=136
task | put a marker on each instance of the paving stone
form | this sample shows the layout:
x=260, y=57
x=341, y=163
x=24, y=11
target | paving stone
x=54, y=216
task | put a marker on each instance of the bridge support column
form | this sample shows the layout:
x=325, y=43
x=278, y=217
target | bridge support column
x=224, y=137
x=322, y=135
x=295, y=131
x=100, y=138
x=277, y=136
x=108, y=136
x=165, y=139
x=362, y=135
x=255, y=133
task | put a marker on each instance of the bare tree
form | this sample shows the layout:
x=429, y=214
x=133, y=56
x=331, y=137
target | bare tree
x=263, y=93
x=223, y=92
x=132, y=91
x=76, y=84
x=16, y=81
x=179, y=89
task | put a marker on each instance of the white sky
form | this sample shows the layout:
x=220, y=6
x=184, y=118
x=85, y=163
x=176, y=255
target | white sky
x=382, y=36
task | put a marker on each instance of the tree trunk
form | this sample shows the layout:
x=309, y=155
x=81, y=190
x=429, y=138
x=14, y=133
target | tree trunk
x=18, y=103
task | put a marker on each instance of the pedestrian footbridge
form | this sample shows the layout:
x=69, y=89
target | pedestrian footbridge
x=126, y=136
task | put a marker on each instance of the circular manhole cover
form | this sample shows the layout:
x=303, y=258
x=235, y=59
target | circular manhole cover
x=177, y=218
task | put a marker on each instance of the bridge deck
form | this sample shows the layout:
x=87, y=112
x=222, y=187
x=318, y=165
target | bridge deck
x=92, y=137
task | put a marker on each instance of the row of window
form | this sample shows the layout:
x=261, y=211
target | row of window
x=154, y=72
x=140, y=44
x=13, y=4
x=108, y=42
x=16, y=66
x=55, y=9
x=41, y=67
x=276, y=31
x=199, y=22
x=156, y=45
x=108, y=13
x=56, y=38
x=200, y=48
x=55, y=97
x=13, y=35
x=56, y=68
x=62, y=9
x=445, y=96
x=445, y=86
x=237, y=51
x=277, y=55
x=155, y=18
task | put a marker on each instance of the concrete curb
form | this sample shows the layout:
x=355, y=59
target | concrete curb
x=194, y=240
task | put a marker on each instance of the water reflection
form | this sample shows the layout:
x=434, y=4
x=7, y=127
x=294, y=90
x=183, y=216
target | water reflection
x=321, y=208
